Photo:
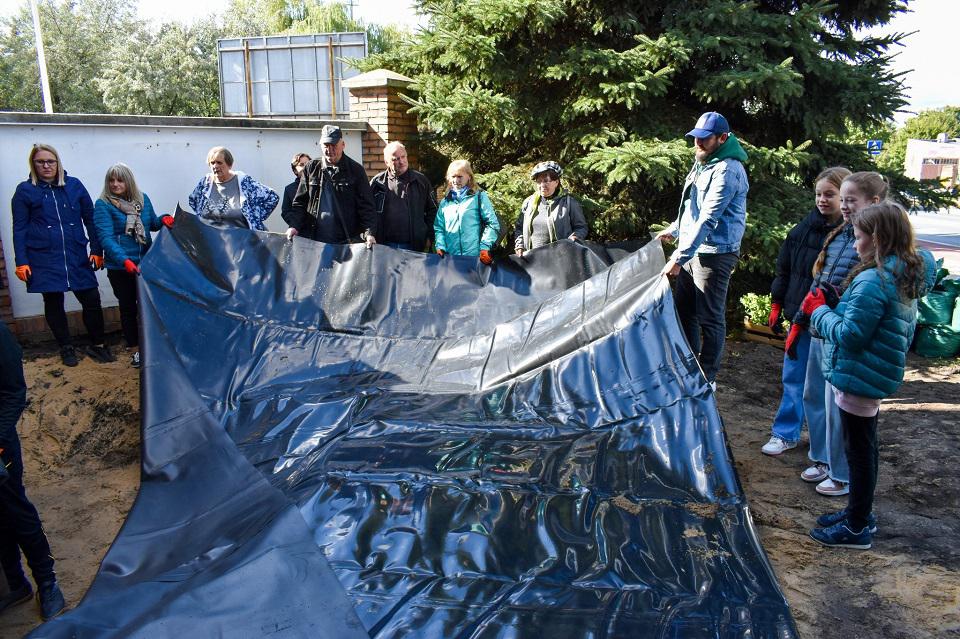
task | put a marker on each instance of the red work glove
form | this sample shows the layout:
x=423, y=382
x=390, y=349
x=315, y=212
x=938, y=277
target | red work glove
x=24, y=273
x=441, y=252
x=774, y=320
x=792, y=338
x=812, y=302
x=167, y=221
x=485, y=257
x=130, y=267
x=96, y=262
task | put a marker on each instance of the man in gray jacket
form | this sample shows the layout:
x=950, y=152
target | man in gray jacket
x=550, y=214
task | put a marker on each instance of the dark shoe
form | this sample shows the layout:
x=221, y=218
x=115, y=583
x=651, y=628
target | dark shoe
x=840, y=536
x=101, y=354
x=825, y=521
x=135, y=360
x=16, y=596
x=51, y=600
x=68, y=355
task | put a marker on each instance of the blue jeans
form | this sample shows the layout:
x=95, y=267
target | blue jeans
x=701, y=299
x=823, y=417
x=789, y=420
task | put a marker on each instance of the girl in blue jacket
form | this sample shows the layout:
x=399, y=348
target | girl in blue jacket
x=866, y=340
x=466, y=223
x=50, y=212
x=124, y=218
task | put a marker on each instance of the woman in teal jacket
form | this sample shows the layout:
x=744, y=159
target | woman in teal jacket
x=124, y=218
x=466, y=223
x=866, y=339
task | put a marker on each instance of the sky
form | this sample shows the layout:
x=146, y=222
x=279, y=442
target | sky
x=928, y=56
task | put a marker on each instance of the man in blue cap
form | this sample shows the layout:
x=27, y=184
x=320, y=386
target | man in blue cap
x=708, y=231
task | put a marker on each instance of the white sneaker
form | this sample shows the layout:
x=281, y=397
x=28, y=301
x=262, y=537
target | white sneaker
x=832, y=488
x=777, y=446
x=816, y=473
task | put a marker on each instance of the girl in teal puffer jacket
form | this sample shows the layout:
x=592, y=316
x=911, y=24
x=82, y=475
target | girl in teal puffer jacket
x=866, y=341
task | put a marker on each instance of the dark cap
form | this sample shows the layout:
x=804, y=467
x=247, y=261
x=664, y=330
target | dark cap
x=330, y=134
x=710, y=123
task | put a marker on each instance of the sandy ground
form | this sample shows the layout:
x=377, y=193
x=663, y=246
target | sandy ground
x=81, y=447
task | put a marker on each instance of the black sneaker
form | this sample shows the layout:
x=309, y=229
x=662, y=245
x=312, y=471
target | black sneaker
x=50, y=598
x=68, y=355
x=16, y=596
x=101, y=354
x=825, y=521
x=135, y=360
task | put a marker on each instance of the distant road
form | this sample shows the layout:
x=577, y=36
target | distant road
x=940, y=232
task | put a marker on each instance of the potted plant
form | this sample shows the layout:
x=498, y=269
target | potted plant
x=756, y=312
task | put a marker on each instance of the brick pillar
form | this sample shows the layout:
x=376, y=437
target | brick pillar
x=6, y=304
x=375, y=98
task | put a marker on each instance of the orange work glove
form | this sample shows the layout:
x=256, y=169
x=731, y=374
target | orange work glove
x=167, y=221
x=130, y=267
x=24, y=273
x=96, y=261
x=441, y=252
x=485, y=257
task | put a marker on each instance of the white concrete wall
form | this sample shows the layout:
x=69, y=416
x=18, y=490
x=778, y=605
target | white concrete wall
x=167, y=159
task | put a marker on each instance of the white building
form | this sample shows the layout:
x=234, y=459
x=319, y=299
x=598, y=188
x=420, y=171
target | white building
x=933, y=160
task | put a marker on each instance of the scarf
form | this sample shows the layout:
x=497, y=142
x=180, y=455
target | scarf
x=134, y=225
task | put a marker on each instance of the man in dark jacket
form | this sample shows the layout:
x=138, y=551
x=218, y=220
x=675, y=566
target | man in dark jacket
x=297, y=164
x=405, y=202
x=333, y=203
x=20, y=527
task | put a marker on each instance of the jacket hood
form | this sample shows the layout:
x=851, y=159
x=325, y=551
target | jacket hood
x=731, y=149
x=817, y=221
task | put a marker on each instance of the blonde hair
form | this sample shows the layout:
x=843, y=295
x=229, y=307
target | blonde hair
x=462, y=165
x=220, y=151
x=123, y=173
x=34, y=178
x=890, y=230
x=870, y=183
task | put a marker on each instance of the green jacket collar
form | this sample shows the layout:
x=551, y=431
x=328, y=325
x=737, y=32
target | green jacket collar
x=731, y=149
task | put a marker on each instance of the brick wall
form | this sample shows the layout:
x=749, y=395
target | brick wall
x=375, y=98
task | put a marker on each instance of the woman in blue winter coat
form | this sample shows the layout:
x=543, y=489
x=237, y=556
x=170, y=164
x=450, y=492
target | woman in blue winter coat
x=124, y=218
x=231, y=199
x=792, y=283
x=866, y=341
x=466, y=223
x=50, y=211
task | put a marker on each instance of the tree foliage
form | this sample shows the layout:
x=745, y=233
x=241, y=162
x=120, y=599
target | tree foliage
x=102, y=59
x=609, y=89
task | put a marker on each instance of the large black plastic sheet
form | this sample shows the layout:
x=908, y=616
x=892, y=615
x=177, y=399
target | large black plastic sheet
x=343, y=442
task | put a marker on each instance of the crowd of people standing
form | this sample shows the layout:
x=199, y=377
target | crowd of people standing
x=848, y=278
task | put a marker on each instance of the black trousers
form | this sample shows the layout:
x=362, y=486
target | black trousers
x=125, y=288
x=57, y=317
x=863, y=456
x=20, y=527
x=701, y=299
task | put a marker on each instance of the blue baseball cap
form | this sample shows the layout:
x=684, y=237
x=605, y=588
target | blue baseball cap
x=710, y=123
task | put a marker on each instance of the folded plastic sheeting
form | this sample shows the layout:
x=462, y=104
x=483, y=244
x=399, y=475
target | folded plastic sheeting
x=340, y=440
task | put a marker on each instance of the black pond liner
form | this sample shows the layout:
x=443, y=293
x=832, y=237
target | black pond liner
x=339, y=442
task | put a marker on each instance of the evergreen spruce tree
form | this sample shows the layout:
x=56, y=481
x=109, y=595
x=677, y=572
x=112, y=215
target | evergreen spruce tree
x=609, y=89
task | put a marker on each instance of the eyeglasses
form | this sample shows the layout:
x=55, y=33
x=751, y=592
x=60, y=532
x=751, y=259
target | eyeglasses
x=45, y=162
